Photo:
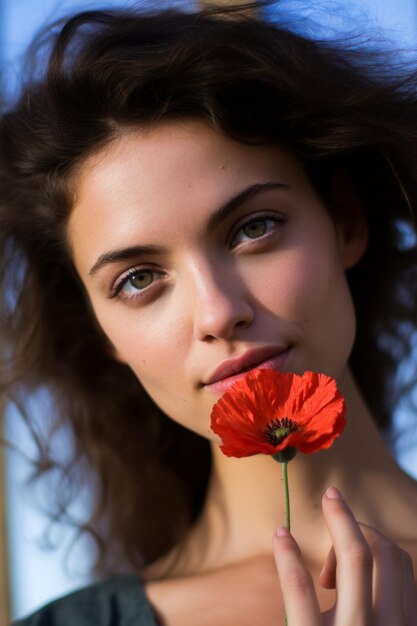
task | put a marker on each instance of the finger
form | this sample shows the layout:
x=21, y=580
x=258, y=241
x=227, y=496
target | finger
x=388, y=577
x=297, y=587
x=354, y=562
x=327, y=576
x=409, y=590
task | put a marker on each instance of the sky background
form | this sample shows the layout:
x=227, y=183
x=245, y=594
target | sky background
x=38, y=573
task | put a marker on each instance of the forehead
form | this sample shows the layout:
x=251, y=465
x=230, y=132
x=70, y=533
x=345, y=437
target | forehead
x=171, y=148
x=147, y=180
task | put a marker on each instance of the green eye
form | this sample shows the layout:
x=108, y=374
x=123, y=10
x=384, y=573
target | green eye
x=255, y=229
x=135, y=283
x=259, y=227
x=140, y=280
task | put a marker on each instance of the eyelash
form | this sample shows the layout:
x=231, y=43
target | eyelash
x=277, y=218
x=116, y=291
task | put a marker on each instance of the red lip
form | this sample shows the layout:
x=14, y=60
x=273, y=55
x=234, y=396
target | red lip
x=244, y=362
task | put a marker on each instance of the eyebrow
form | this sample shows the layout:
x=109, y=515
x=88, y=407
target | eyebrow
x=214, y=220
x=125, y=254
x=234, y=203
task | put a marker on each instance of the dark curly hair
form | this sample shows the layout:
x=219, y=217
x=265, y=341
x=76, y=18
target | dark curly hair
x=339, y=110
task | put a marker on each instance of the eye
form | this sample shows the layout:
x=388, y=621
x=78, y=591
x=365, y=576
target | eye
x=140, y=280
x=134, y=284
x=257, y=228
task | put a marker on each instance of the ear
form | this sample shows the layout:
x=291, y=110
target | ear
x=349, y=218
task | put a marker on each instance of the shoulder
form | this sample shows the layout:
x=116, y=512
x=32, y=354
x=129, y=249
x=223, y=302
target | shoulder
x=117, y=601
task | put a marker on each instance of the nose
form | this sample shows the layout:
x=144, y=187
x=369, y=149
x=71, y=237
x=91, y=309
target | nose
x=221, y=303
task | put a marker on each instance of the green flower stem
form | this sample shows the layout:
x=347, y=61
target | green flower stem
x=287, y=510
x=284, y=457
x=287, y=496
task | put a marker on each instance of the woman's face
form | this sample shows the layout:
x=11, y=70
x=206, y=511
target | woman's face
x=203, y=258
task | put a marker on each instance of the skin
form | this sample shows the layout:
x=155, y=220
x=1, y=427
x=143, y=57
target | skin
x=215, y=300
x=210, y=296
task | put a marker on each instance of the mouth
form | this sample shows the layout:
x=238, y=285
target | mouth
x=233, y=370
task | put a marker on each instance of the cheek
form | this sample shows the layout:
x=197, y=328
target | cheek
x=322, y=306
x=307, y=288
x=294, y=283
x=152, y=345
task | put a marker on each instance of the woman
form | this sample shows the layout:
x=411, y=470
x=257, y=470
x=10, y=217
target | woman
x=185, y=197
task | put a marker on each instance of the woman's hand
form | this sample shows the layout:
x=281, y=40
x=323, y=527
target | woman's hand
x=373, y=577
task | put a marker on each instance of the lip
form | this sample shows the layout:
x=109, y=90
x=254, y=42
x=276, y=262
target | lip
x=232, y=370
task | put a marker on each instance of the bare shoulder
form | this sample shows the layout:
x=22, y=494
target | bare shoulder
x=407, y=519
x=401, y=515
x=406, y=536
x=411, y=548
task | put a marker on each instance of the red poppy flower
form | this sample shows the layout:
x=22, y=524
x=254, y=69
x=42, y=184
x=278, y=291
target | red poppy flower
x=268, y=412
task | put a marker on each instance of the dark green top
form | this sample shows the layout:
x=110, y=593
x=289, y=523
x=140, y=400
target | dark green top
x=118, y=601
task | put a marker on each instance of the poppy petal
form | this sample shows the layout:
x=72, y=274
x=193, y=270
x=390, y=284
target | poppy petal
x=310, y=403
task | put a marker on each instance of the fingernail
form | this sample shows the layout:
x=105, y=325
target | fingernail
x=333, y=494
x=282, y=531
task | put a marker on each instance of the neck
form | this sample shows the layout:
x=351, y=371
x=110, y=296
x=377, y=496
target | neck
x=245, y=502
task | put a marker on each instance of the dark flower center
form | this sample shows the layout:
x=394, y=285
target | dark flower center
x=277, y=430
